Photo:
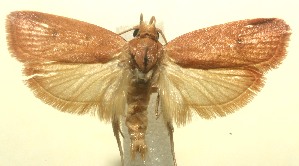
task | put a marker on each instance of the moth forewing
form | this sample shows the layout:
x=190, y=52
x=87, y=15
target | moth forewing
x=258, y=42
x=35, y=36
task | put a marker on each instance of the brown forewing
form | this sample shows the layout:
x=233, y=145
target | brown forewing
x=258, y=42
x=34, y=36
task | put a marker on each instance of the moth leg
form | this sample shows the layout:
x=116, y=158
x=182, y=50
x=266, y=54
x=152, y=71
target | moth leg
x=157, y=107
x=163, y=36
x=117, y=131
x=128, y=30
x=170, y=132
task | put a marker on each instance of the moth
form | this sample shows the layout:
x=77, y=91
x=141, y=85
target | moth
x=81, y=68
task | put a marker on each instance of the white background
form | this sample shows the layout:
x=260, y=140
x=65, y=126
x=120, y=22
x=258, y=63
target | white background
x=263, y=133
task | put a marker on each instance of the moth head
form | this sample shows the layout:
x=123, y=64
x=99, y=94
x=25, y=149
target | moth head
x=149, y=30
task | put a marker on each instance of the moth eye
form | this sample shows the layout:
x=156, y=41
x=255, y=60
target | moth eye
x=135, y=33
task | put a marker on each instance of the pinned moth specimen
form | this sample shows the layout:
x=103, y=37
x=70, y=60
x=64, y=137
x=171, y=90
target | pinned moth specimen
x=81, y=68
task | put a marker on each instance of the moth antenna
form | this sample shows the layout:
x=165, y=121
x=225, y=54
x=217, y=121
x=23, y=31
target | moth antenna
x=141, y=18
x=131, y=29
x=153, y=20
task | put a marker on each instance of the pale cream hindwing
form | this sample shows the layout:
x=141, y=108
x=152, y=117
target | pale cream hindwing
x=81, y=88
x=210, y=93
